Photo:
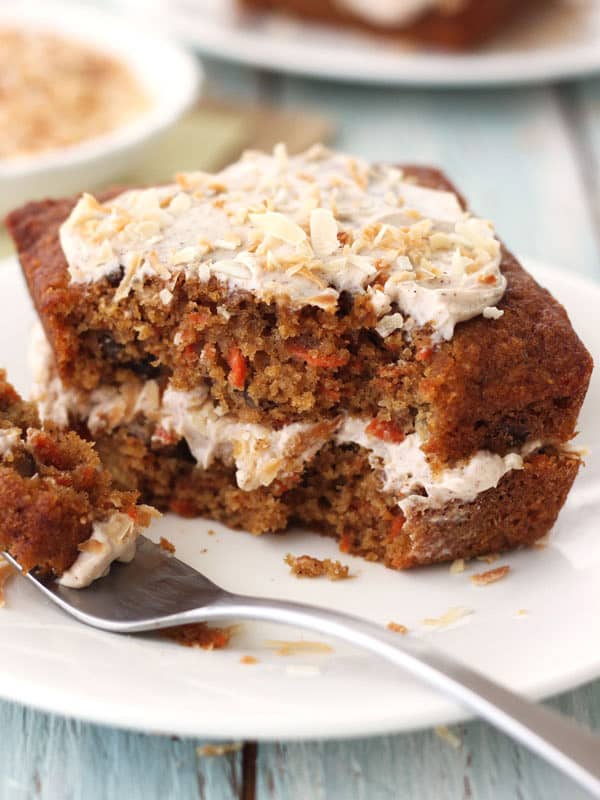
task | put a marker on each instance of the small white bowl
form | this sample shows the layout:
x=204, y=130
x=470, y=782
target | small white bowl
x=171, y=77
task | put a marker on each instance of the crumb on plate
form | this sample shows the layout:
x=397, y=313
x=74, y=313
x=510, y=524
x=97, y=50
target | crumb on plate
x=199, y=634
x=248, y=660
x=7, y=571
x=491, y=576
x=451, y=616
x=396, y=627
x=310, y=567
x=213, y=750
x=448, y=736
x=284, y=648
x=458, y=565
x=166, y=545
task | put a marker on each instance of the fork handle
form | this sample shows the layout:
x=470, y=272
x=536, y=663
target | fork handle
x=571, y=748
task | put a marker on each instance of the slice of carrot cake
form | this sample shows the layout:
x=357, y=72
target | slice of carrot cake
x=312, y=339
x=60, y=511
x=444, y=24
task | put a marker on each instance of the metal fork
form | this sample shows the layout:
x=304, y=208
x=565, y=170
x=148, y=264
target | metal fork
x=158, y=590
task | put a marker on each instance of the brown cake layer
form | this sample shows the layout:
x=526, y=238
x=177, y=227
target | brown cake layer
x=52, y=489
x=339, y=494
x=460, y=26
x=496, y=385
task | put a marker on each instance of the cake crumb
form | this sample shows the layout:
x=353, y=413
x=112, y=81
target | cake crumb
x=451, y=616
x=489, y=558
x=396, y=627
x=283, y=648
x=310, y=567
x=7, y=571
x=166, y=545
x=522, y=612
x=448, y=736
x=211, y=532
x=248, y=660
x=458, y=565
x=199, y=634
x=491, y=576
x=215, y=750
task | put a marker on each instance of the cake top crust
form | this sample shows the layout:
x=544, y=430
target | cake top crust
x=297, y=230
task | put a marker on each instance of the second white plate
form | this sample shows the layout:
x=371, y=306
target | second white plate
x=559, y=42
x=151, y=684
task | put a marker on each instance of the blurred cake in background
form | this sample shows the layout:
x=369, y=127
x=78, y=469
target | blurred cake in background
x=447, y=24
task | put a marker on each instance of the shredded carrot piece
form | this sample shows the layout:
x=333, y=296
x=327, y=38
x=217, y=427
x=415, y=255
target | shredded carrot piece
x=315, y=359
x=385, y=430
x=397, y=525
x=238, y=367
x=424, y=354
x=345, y=542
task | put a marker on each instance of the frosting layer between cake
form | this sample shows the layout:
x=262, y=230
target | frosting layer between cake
x=262, y=455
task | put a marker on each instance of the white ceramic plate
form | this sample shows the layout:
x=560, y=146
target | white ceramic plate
x=148, y=683
x=558, y=43
x=169, y=74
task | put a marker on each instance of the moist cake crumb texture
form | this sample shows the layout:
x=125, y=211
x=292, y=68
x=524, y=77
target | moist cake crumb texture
x=310, y=567
x=61, y=511
x=310, y=340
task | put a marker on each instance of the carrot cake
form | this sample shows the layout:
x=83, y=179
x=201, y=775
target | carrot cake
x=312, y=339
x=444, y=24
x=60, y=512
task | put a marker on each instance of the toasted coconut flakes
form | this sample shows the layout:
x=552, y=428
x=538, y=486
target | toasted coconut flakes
x=187, y=254
x=215, y=750
x=386, y=326
x=491, y=312
x=323, y=232
x=309, y=567
x=272, y=223
x=165, y=296
x=457, y=566
x=448, y=736
x=249, y=660
x=166, y=545
x=180, y=203
x=452, y=615
x=283, y=648
x=233, y=269
x=489, y=558
x=491, y=576
x=228, y=243
x=396, y=627
x=7, y=571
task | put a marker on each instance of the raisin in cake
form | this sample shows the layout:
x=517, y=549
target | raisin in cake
x=312, y=339
x=445, y=24
x=60, y=511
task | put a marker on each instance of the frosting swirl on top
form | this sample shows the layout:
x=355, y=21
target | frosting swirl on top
x=398, y=12
x=297, y=230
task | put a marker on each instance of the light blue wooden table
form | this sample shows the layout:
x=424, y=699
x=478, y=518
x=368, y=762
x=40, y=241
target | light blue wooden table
x=530, y=160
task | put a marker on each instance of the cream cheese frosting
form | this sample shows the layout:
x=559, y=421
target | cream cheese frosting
x=297, y=230
x=103, y=409
x=9, y=439
x=112, y=539
x=396, y=12
x=262, y=455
